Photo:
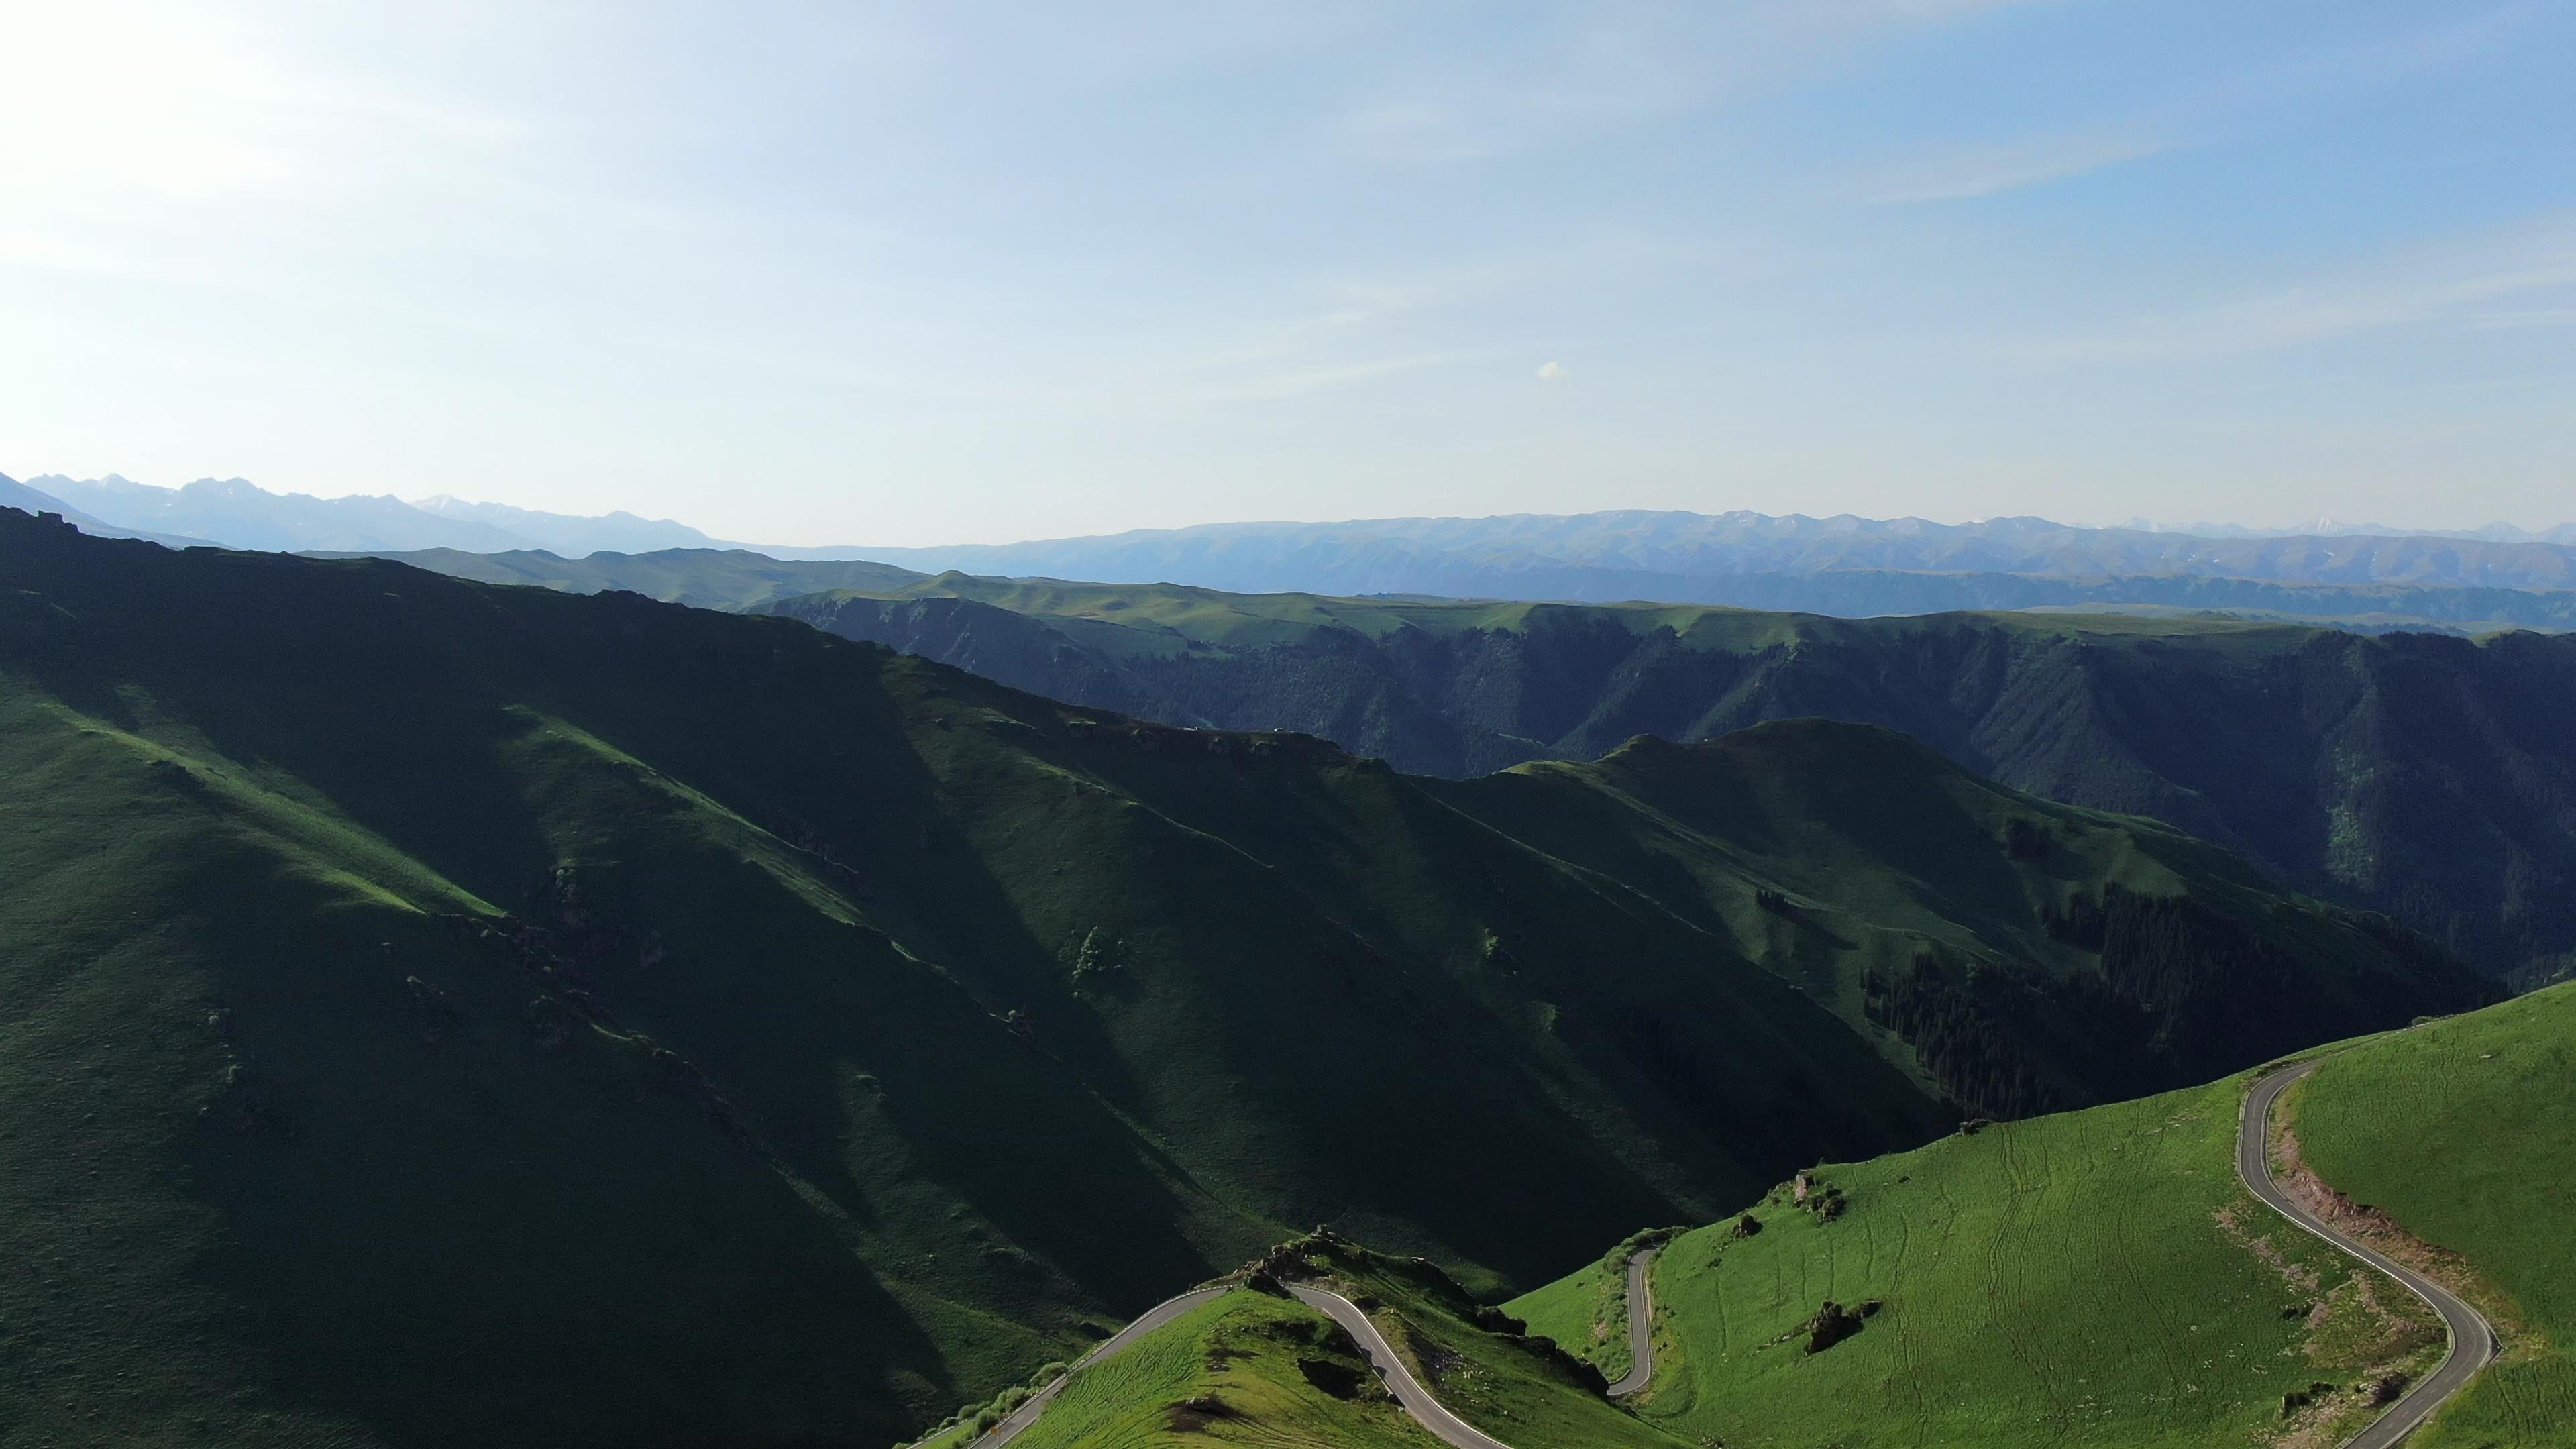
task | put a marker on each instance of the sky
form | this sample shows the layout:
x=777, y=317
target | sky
x=966, y=272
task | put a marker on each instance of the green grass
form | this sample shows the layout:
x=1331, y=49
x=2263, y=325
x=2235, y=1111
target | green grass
x=2459, y=1130
x=1586, y=1311
x=2100, y=1278
x=1245, y=1369
x=1252, y=1352
x=1837, y=856
x=2095, y=1278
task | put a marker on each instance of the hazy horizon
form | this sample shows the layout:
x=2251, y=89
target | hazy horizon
x=968, y=274
x=2139, y=521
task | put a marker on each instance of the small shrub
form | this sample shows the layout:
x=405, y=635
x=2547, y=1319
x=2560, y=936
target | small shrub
x=1831, y=1325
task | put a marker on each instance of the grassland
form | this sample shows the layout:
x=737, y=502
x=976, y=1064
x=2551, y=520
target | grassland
x=1586, y=1311
x=1247, y=1369
x=2099, y=1277
x=2459, y=1131
x=2095, y=1278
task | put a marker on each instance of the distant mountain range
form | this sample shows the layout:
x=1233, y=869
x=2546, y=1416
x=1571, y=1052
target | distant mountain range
x=742, y=579
x=236, y=513
x=2564, y=533
x=1839, y=565
x=17, y=495
x=1705, y=558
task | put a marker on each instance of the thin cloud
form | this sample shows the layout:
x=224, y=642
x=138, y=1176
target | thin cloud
x=1994, y=170
x=2523, y=270
x=1551, y=371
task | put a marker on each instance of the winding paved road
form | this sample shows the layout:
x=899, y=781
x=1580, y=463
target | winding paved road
x=2473, y=1341
x=1408, y=1391
x=1641, y=1325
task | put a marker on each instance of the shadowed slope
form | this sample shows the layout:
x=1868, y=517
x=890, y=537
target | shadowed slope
x=2424, y=777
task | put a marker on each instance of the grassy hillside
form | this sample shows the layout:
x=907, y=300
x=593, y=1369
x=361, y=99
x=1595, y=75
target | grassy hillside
x=1258, y=1367
x=2426, y=777
x=2028, y=956
x=1590, y=1306
x=2418, y=775
x=2092, y=1278
x=1250, y=1368
x=2100, y=1278
x=2458, y=1130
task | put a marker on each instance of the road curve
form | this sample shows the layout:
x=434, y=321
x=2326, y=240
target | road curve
x=1409, y=1392
x=2473, y=1340
x=1641, y=1325
x=1110, y=1347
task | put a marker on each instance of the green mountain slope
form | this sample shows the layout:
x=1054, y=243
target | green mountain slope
x=2458, y=1131
x=1249, y=1368
x=2420, y=776
x=2425, y=777
x=2101, y=1278
x=431, y=1011
x=2092, y=1278
x=1259, y=1367
x=2034, y=956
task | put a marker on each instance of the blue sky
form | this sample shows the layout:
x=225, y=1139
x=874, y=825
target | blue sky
x=959, y=272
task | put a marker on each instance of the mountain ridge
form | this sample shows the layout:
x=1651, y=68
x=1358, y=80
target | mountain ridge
x=2412, y=773
x=676, y=575
x=1673, y=555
